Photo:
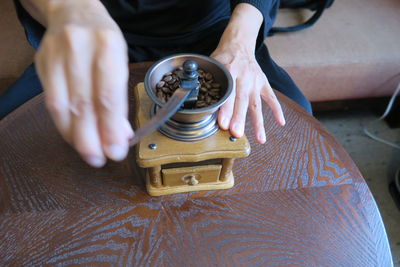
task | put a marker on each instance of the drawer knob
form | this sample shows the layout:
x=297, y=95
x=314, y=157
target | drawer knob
x=190, y=179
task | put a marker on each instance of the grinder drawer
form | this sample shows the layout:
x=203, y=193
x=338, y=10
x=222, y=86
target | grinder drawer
x=191, y=175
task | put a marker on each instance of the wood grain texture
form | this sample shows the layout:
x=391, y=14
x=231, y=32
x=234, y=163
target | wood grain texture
x=298, y=200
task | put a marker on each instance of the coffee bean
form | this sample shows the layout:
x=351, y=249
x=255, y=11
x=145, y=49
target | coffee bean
x=166, y=90
x=214, y=91
x=213, y=94
x=209, y=92
x=160, y=84
x=208, y=99
x=200, y=104
x=216, y=85
x=208, y=76
x=168, y=78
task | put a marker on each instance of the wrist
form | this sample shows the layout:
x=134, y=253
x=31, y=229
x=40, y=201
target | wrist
x=78, y=12
x=243, y=27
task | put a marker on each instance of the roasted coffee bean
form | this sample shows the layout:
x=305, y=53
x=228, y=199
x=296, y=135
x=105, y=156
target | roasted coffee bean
x=167, y=78
x=214, y=92
x=209, y=92
x=208, y=76
x=215, y=85
x=166, y=90
x=160, y=84
x=201, y=104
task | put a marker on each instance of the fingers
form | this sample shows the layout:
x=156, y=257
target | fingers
x=84, y=74
x=269, y=97
x=57, y=101
x=252, y=87
x=55, y=90
x=85, y=136
x=247, y=96
x=240, y=109
x=111, y=76
x=255, y=110
x=226, y=111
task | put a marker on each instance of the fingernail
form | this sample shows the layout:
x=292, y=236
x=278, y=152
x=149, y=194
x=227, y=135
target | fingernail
x=237, y=128
x=96, y=161
x=261, y=138
x=224, y=123
x=116, y=152
x=283, y=122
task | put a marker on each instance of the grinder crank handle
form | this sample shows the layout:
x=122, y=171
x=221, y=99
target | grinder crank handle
x=162, y=115
x=189, y=83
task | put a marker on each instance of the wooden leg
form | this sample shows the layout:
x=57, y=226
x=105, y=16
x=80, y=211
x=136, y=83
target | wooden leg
x=155, y=176
x=227, y=165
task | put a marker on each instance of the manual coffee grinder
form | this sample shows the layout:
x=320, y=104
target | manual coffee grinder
x=188, y=152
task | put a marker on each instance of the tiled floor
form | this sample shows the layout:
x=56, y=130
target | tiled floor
x=376, y=161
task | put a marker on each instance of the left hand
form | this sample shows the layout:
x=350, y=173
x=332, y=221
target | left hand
x=236, y=50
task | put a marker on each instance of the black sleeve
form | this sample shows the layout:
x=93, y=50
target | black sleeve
x=34, y=31
x=269, y=10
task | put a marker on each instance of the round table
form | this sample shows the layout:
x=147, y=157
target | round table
x=298, y=199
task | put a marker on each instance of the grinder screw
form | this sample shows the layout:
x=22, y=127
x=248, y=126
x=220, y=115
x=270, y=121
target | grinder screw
x=152, y=146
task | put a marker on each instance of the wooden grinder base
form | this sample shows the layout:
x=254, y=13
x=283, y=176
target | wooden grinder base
x=175, y=166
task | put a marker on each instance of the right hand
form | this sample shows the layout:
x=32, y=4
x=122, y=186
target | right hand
x=83, y=66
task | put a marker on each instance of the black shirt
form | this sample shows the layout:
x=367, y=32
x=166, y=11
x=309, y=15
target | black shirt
x=155, y=28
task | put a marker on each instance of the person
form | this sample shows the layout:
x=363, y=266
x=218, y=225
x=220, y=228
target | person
x=84, y=47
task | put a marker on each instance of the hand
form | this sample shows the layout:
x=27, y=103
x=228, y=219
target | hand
x=83, y=66
x=250, y=86
x=236, y=51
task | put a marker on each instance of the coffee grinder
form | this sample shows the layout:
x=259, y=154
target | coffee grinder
x=188, y=152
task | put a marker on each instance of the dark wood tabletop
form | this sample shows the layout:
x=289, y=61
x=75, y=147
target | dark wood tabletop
x=297, y=200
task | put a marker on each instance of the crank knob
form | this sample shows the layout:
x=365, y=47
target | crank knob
x=190, y=68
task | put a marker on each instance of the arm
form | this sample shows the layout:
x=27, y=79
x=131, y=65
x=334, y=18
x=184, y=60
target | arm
x=236, y=50
x=82, y=64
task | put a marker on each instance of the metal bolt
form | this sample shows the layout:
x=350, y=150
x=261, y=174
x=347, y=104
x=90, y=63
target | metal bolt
x=233, y=139
x=153, y=146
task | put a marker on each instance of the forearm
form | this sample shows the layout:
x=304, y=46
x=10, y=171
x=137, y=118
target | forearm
x=48, y=12
x=243, y=27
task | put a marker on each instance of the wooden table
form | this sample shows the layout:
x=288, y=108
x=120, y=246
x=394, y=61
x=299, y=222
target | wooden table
x=299, y=199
